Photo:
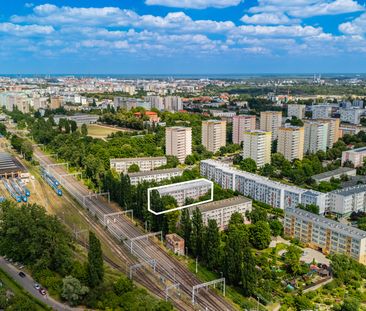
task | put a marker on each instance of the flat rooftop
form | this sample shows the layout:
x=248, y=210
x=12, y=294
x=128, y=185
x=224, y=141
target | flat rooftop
x=156, y=172
x=206, y=207
x=137, y=159
x=163, y=190
x=327, y=223
x=338, y=171
x=9, y=164
x=350, y=190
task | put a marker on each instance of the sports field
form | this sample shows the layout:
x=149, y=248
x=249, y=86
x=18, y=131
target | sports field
x=102, y=131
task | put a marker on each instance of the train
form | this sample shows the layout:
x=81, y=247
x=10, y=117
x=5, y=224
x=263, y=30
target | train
x=52, y=181
x=18, y=190
x=22, y=185
x=12, y=192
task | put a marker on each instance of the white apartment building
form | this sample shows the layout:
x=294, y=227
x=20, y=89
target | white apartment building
x=356, y=156
x=241, y=124
x=156, y=102
x=145, y=164
x=296, y=110
x=192, y=190
x=328, y=235
x=316, y=136
x=351, y=115
x=178, y=142
x=271, y=121
x=213, y=134
x=222, y=210
x=291, y=142
x=321, y=111
x=261, y=188
x=156, y=176
x=173, y=103
x=345, y=201
x=333, y=130
x=257, y=146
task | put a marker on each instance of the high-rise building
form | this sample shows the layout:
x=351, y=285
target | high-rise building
x=291, y=142
x=316, y=136
x=321, y=111
x=333, y=130
x=351, y=115
x=270, y=122
x=296, y=110
x=241, y=124
x=213, y=134
x=55, y=102
x=173, y=103
x=178, y=142
x=156, y=102
x=257, y=146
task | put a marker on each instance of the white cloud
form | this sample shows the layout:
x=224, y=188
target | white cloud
x=194, y=4
x=26, y=30
x=278, y=31
x=307, y=8
x=357, y=26
x=268, y=19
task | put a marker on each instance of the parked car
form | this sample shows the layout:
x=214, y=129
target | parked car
x=22, y=274
x=37, y=286
x=42, y=291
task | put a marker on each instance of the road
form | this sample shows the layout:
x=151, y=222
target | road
x=145, y=251
x=28, y=284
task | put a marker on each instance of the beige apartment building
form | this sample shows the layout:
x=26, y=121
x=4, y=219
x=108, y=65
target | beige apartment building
x=178, y=142
x=56, y=102
x=241, y=124
x=257, y=146
x=291, y=142
x=213, y=134
x=271, y=121
x=333, y=130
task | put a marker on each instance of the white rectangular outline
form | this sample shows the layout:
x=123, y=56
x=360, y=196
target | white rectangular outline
x=180, y=207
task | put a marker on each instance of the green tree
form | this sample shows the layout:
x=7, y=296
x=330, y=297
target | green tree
x=95, y=261
x=197, y=233
x=211, y=245
x=84, y=130
x=257, y=214
x=276, y=227
x=292, y=259
x=186, y=228
x=72, y=290
x=134, y=168
x=249, y=273
x=122, y=286
x=350, y=304
x=248, y=165
x=260, y=235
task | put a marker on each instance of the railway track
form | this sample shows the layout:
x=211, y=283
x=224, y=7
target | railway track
x=123, y=230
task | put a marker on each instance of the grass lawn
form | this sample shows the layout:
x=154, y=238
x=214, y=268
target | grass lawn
x=100, y=131
x=19, y=291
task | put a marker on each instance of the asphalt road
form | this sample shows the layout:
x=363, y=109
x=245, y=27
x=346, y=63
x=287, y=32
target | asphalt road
x=28, y=284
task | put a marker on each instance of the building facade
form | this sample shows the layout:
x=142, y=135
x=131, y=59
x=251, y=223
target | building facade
x=178, y=142
x=213, y=134
x=241, y=124
x=257, y=146
x=315, y=137
x=351, y=115
x=347, y=200
x=291, y=142
x=156, y=176
x=296, y=110
x=145, y=164
x=271, y=121
x=328, y=235
x=261, y=188
x=321, y=111
x=356, y=156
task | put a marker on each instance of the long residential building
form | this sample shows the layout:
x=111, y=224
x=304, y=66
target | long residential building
x=291, y=142
x=257, y=146
x=213, y=134
x=356, y=156
x=241, y=124
x=328, y=235
x=121, y=165
x=157, y=175
x=261, y=188
x=186, y=190
x=222, y=210
x=347, y=200
x=316, y=136
x=178, y=142
x=271, y=121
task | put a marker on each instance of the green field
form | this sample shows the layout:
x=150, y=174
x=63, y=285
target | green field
x=101, y=131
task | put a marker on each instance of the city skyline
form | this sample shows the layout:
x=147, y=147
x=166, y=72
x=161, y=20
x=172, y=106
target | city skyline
x=182, y=37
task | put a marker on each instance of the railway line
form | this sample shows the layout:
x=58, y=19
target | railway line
x=158, y=269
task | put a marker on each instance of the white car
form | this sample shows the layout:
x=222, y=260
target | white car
x=37, y=286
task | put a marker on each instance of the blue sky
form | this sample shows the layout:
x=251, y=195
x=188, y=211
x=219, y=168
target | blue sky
x=182, y=36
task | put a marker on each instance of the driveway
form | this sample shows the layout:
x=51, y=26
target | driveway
x=27, y=284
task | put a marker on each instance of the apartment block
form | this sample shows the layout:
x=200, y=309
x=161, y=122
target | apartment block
x=296, y=110
x=351, y=115
x=356, y=156
x=325, y=234
x=257, y=146
x=56, y=102
x=222, y=210
x=271, y=121
x=261, y=188
x=156, y=175
x=213, y=134
x=145, y=164
x=345, y=201
x=178, y=142
x=241, y=124
x=291, y=142
x=316, y=136
x=321, y=111
x=333, y=130
x=173, y=103
x=186, y=190
x=156, y=102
